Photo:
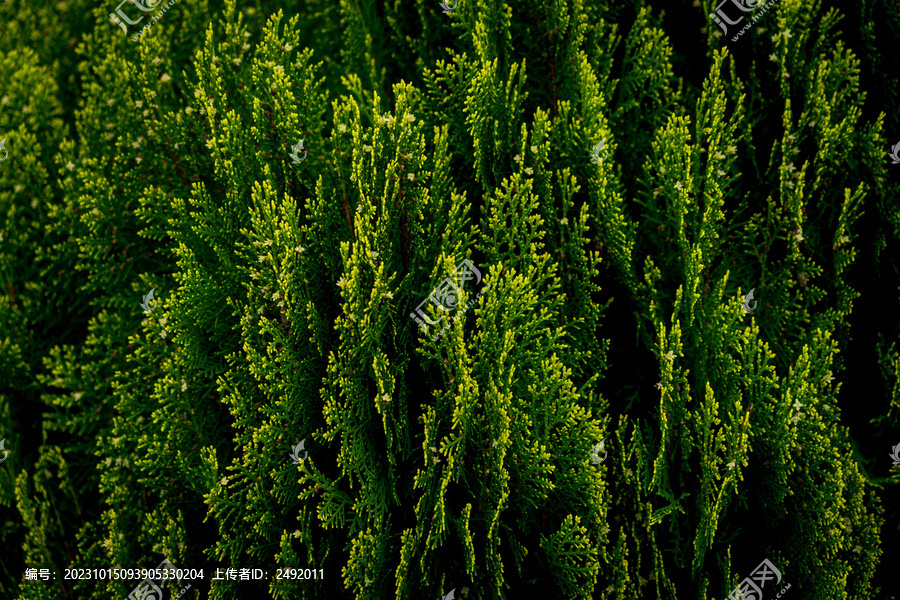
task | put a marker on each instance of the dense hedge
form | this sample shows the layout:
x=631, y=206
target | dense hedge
x=619, y=177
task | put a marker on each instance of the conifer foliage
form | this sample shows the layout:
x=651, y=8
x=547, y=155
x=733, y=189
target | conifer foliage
x=667, y=346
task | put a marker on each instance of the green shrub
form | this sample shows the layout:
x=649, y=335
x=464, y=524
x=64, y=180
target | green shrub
x=619, y=177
